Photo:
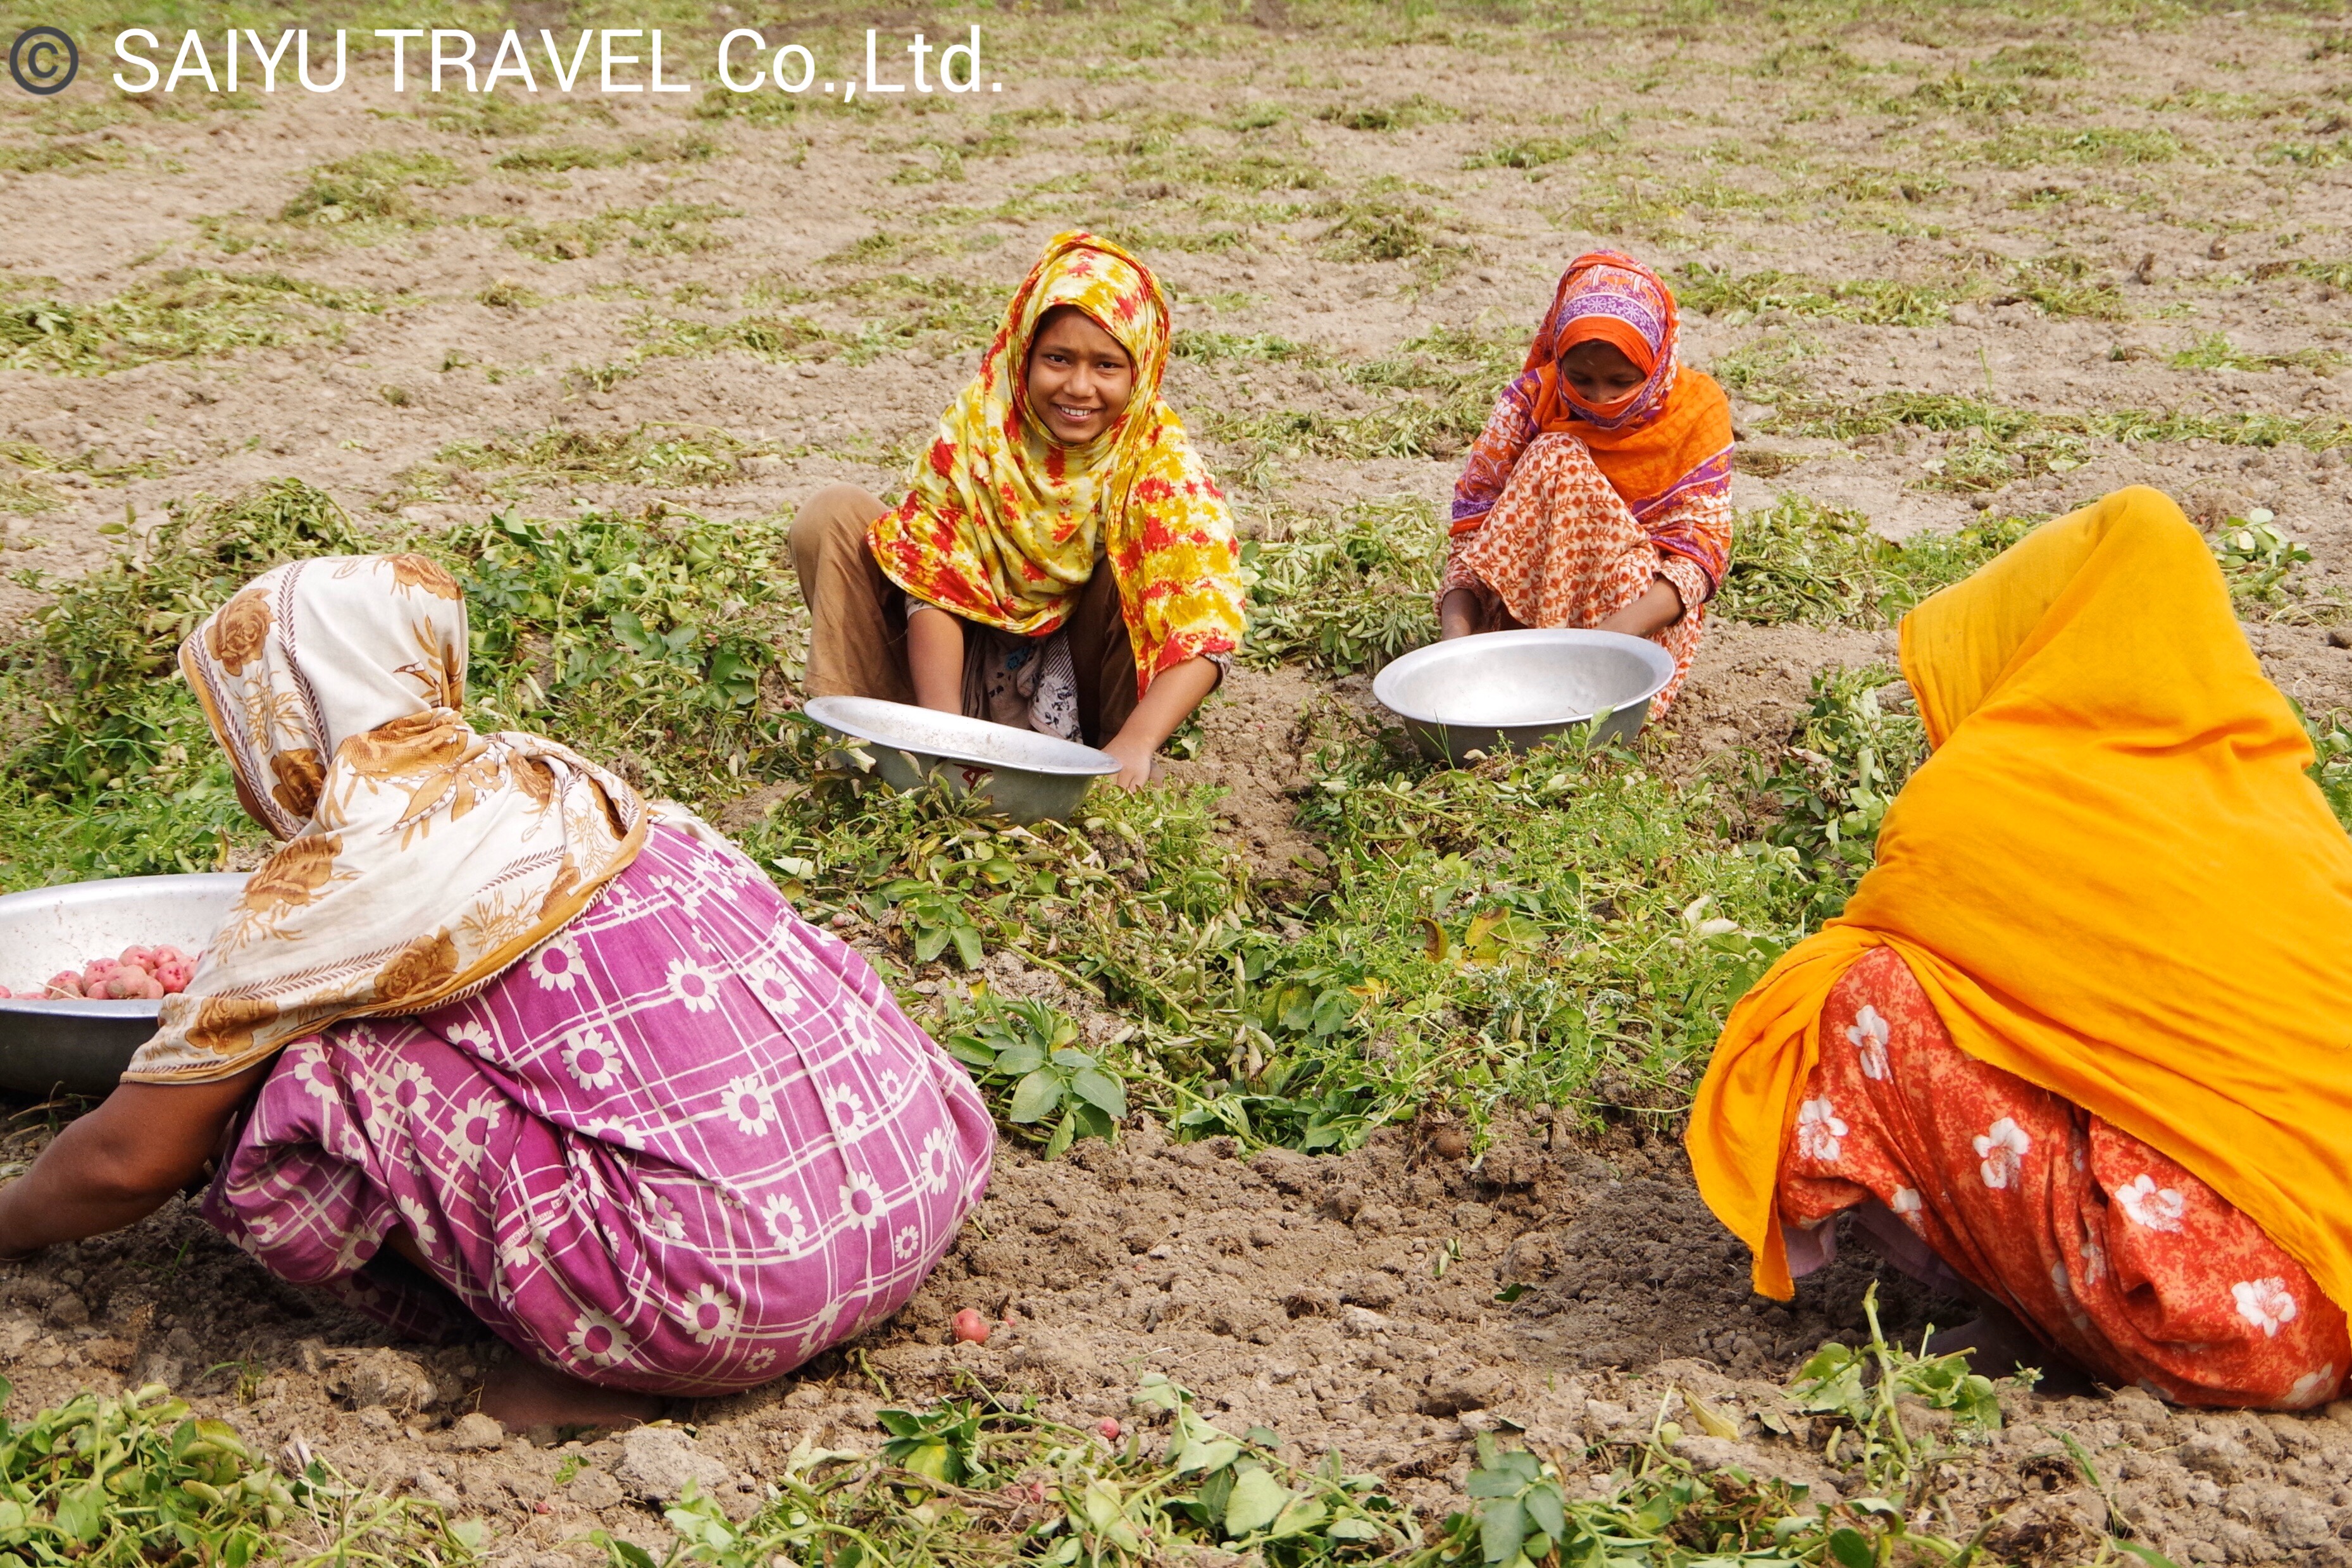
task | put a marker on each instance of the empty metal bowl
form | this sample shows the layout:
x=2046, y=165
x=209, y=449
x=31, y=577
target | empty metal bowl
x=1020, y=774
x=1520, y=689
x=83, y=1046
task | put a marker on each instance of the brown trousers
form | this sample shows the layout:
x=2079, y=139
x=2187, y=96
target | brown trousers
x=857, y=619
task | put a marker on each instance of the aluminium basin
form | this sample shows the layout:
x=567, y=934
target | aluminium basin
x=1019, y=774
x=1521, y=688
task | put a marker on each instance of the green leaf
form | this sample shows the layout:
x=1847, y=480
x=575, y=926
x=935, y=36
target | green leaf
x=630, y=1553
x=1063, y=1136
x=930, y=943
x=1852, y=1548
x=934, y=1459
x=1510, y=1293
x=1098, y=1088
x=1299, y=1516
x=966, y=944
x=1258, y=1502
x=1547, y=1509
x=1502, y=1528
x=1199, y=1455
x=81, y=1513
x=971, y=1052
x=1035, y=1096
x=2148, y=1554
x=1494, y=1483
x=1014, y=1060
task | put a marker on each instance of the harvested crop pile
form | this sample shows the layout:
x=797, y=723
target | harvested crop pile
x=137, y=973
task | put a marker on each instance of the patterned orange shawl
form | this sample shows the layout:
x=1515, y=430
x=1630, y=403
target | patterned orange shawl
x=1003, y=524
x=420, y=857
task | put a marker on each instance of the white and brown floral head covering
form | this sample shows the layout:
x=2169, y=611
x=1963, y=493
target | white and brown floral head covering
x=421, y=858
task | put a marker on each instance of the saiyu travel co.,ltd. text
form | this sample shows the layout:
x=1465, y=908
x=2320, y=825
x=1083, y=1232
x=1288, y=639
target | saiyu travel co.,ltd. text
x=602, y=59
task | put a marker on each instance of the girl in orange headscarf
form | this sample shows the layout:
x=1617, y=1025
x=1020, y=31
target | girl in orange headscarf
x=1598, y=494
x=982, y=592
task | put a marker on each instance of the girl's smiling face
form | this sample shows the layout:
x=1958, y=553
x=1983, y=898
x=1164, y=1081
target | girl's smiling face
x=1079, y=378
x=1599, y=372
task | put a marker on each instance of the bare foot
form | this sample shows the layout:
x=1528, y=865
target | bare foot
x=519, y=1394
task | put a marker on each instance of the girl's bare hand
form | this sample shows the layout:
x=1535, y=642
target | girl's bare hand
x=1134, y=760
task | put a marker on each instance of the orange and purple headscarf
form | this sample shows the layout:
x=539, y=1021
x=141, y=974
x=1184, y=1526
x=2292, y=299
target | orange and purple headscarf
x=1665, y=442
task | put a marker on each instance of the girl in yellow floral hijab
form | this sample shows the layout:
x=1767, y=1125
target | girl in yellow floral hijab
x=980, y=592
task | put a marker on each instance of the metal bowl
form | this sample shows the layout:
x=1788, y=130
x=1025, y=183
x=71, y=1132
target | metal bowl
x=1520, y=689
x=1020, y=774
x=82, y=1047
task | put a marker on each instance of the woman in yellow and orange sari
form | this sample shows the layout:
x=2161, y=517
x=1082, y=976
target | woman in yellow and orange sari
x=2080, y=1036
x=982, y=592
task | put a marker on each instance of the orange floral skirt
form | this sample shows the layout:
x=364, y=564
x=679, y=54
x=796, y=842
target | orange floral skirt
x=1561, y=548
x=2111, y=1253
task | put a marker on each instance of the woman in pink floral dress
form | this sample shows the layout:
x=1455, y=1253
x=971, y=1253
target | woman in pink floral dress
x=491, y=1037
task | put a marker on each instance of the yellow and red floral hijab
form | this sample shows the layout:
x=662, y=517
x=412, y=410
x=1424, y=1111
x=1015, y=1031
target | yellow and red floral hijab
x=1003, y=524
x=420, y=857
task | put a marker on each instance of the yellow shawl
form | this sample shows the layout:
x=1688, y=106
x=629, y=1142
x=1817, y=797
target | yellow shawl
x=420, y=857
x=1003, y=524
x=2112, y=879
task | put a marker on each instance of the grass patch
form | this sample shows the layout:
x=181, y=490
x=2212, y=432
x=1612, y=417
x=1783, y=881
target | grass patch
x=63, y=157
x=2063, y=286
x=137, y=1481
x=1383, y=222
x=1804, y=563
x=1350, y=593
x=1433, y=395
x=660, y=229
x=650, y=454
x=1403, y=114
x=2214, y=351
x=931, y=1495
x=884, y=315
x=1502, y=933
x=2044, y=443
x=1187, y=166
x=1962, y=94
x=1209, y=346
x=1541, y=151
x=506, y=294
x=188, y=313
x=653, y=639
x=371, y=188
x=556, y=157
x=1869, y=183
x=23, y=492
x=1662, y=210
x=2043, y=61
x=489, y=114
x=2023, y=146
x=1875, y=301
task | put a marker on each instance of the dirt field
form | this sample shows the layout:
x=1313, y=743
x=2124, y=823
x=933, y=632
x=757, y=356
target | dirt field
x=2122, y=238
